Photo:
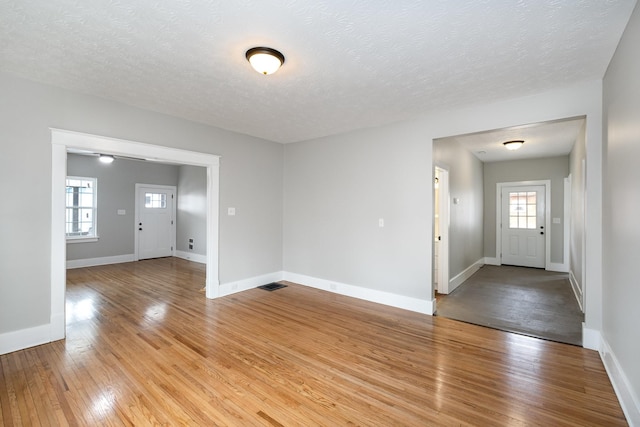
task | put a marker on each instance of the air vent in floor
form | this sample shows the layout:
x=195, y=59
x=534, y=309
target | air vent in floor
x=272, y=286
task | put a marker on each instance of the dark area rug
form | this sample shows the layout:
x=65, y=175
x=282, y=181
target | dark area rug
x=524, y=300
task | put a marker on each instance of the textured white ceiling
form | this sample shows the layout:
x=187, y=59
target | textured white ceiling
x=540, y=140
x=349, y=64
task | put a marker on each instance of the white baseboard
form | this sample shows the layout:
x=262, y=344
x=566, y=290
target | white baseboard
x=92, y=262
x=558, y=267
x=591, y=338
x=57, y=327
x=250, y=283
x=464, y=275
x=25, y=338
x=380, y=297
x=190, y=256
x=577, y=291
x=491, y=261
x=626, y=396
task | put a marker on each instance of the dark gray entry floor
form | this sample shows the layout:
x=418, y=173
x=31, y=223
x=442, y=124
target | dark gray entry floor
x=528, y=301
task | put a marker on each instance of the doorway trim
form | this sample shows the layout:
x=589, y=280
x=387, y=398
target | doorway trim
x=443, y=217
x=136, y=217
x=61, y=141
x=547, y=215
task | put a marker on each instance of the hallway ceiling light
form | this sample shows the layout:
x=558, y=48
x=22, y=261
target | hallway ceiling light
x=513, y=145
x=265, y=60
x=106, y=158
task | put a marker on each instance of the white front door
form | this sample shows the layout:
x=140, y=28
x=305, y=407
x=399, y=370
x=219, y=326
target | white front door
x=155, y=221
x=523, y=234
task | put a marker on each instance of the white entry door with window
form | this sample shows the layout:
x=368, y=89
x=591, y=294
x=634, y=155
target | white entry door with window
x=523, y=226
x=155, y=221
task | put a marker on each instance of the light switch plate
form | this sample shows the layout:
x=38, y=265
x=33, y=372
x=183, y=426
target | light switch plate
x=556, y=220
x=122, y=212
x=231, y=211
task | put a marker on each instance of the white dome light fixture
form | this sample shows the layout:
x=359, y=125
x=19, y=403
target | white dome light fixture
x=106, y=158
x=265, y=60
x=513, y=145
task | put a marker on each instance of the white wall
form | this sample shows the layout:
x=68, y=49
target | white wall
x=577, y=160
x=621, y=299
x=337, y=187
x=466, y=233
x=192, y=209
x=250, y=179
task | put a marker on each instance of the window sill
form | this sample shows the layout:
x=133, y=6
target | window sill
x=74, y=239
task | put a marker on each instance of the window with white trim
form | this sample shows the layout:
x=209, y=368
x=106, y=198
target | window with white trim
x=81, y=201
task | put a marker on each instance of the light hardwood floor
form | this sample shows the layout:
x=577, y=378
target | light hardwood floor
x=144, y=347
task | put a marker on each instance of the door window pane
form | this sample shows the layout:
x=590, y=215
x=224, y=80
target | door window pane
x=155, y=200
x=522, y=209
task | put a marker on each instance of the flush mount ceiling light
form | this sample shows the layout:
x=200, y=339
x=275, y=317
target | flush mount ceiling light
x=265, y=60
x=106, y=158
x=513, y=145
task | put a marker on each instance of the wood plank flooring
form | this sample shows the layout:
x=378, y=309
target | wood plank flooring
x=145, y=347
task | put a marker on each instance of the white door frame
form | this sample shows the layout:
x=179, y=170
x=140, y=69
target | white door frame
x=136, y=216
x=444, y=218
x=547, y=217
x=61, y=141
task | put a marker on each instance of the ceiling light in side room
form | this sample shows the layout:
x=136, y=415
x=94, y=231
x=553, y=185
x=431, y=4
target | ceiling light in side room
x=265, y=60
x=106, y=158
x=513, y=145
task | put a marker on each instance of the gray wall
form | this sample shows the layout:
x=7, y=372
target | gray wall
x=116, y=190
x=337, y=188
x=576, y=235
x=192, y=209
x=621, y=204
x=250, y=179
x=552, y=168
x=466, y=218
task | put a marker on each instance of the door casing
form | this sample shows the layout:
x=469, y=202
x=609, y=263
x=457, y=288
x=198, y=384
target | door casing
x=443, y=217
x=61, y=141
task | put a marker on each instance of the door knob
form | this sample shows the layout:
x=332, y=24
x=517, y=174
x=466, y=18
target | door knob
x=542, y=232
x=140, y=229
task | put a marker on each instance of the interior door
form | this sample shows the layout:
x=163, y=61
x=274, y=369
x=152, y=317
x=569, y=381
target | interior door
x=155, y=222
x=523, y=234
